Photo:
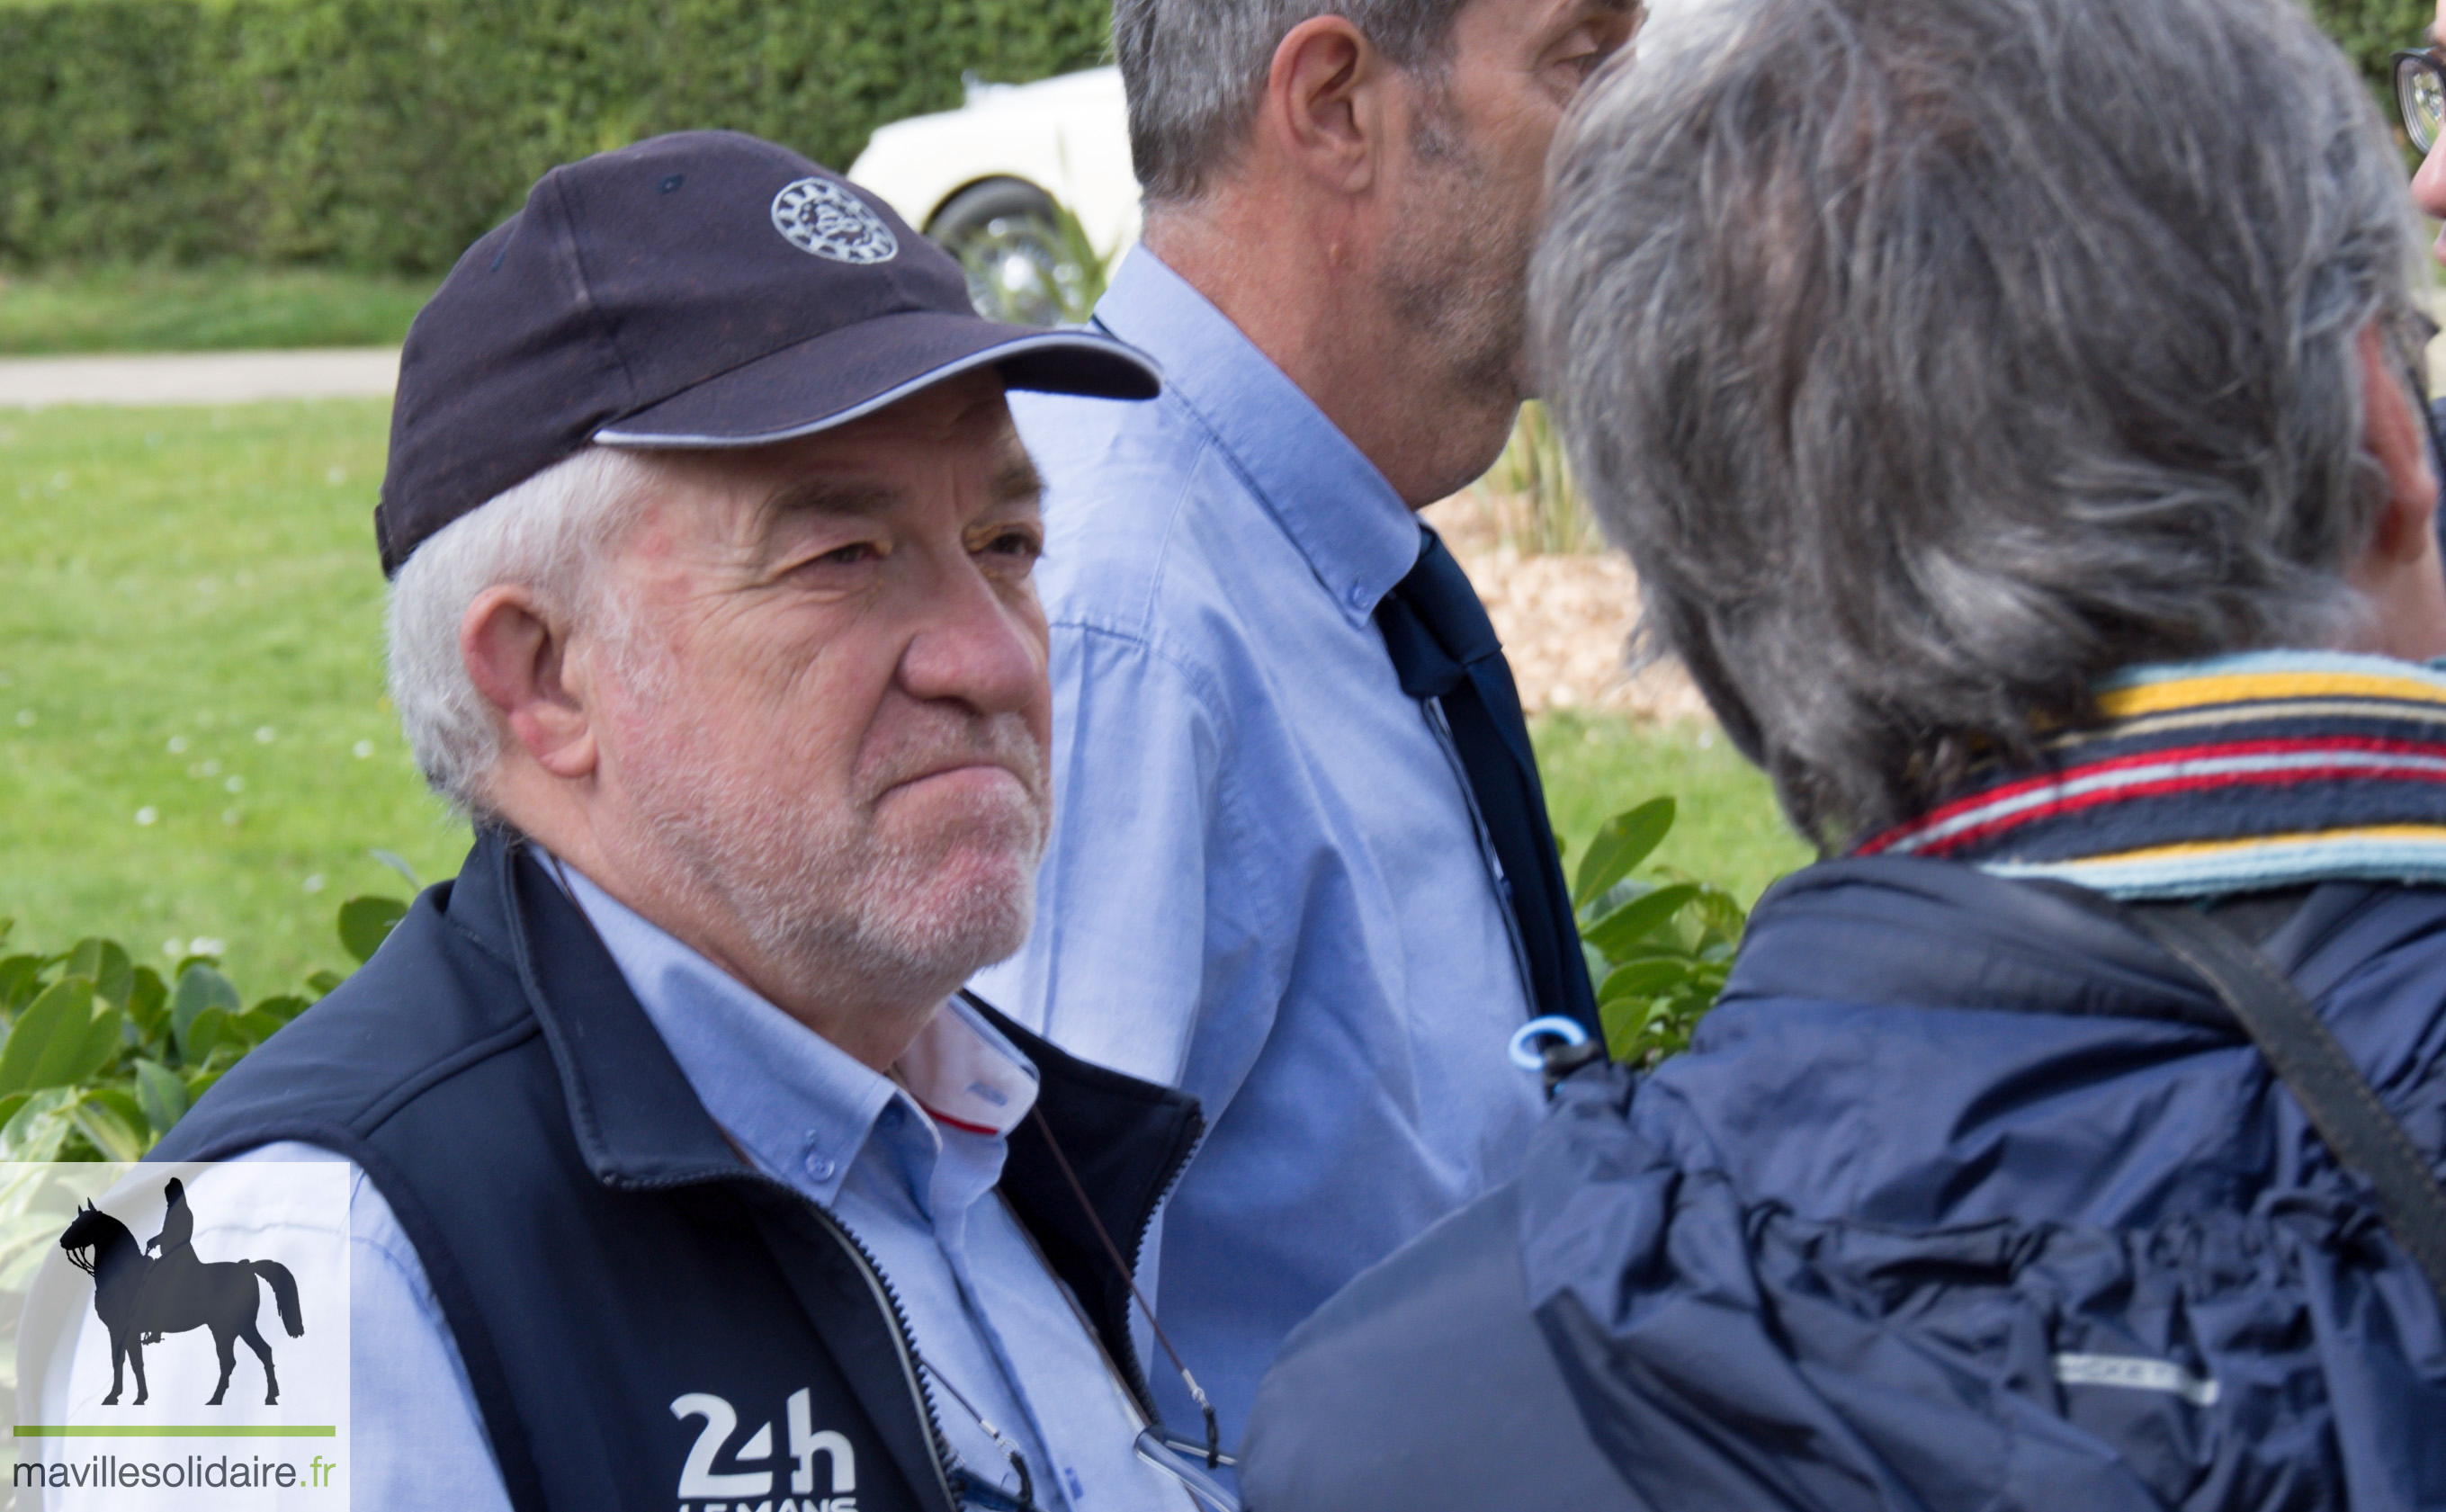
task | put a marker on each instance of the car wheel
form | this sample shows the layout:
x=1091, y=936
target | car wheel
x=1008, y=235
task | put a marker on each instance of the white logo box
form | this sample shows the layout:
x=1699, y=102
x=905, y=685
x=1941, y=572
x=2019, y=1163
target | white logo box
x=268, y=1250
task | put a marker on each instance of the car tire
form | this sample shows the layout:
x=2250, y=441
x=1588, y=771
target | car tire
x=1006, y=235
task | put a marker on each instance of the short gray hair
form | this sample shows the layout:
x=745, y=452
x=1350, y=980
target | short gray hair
x=550, y=534
x=1933, y=358
x=1194, y=70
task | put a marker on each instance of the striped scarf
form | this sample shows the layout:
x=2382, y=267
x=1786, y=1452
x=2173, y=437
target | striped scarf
x=2266, y=769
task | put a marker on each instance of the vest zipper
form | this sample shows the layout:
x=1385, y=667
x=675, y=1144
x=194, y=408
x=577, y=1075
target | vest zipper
x=1178, y=1167
x=1172, y=1175
x=882, y=1285
x=902, y=1339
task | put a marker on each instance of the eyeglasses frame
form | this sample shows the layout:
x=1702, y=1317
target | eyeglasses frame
x=2419, y=61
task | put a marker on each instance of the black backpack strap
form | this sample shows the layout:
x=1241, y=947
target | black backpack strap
x=2298, y=1045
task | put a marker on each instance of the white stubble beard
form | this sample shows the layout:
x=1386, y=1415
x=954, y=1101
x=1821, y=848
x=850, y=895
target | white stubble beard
x=815, y=888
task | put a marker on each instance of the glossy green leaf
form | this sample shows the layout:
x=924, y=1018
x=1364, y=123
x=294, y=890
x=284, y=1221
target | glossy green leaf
x=323, y=982
x=148, y=1007
x=161, y=1095
x=104, y=963
x=365, y=923
x=1643, y=978
x=200, y=989
x=1634, y=921
x=64, y=1035
x=205, y=1032
x=1653, y=948
x=1622, y=1020
x=270, y=1016
x=40, y=1126
x=281, y=1009
x=21, y=978
x=1627, y=840
x=1641, y=1029
x=1721, y=912
x=111, y=1121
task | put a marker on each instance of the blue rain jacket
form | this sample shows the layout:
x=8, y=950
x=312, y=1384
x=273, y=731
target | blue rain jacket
x=1966, y=1197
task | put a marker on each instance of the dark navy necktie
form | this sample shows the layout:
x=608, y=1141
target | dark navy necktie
x=1443, y=646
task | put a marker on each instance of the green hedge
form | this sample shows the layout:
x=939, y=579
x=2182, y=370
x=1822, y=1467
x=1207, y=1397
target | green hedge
x=388, y=134
x=2370, y=30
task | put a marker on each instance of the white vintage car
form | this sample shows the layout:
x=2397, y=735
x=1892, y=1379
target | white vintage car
x=990, y=181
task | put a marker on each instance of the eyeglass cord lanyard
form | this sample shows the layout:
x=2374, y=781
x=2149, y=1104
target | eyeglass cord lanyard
x=1018, y=1461
x=1196, y=1393
x=1027, y=1500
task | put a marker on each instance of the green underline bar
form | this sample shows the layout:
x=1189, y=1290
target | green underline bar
x=172, y=1431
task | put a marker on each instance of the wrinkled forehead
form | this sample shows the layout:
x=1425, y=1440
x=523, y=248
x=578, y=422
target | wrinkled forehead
x=954, y=444
x=956, y=437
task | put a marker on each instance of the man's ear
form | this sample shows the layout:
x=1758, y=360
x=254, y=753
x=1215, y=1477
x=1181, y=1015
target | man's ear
x=1324, y=102
x=2396, y=437
x=517, y=654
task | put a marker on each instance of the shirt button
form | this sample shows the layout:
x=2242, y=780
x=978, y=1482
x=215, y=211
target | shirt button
x=819, y=1165
x=1357, y=595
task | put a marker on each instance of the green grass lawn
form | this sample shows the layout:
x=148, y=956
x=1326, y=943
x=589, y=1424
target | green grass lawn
x=192, y=736
x=227, y=307
x=1727, y=829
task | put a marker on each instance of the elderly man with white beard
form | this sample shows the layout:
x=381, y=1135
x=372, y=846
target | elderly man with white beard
x=683, y=1174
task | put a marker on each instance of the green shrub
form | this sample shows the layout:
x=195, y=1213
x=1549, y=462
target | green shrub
x=387, y=135
x=101, y=1057
x=1658, y=946
x=2371, y=30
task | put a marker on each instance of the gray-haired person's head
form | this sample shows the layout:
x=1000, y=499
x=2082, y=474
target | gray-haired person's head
x=552, y=534
x=1196, y=69
x=1932, y=358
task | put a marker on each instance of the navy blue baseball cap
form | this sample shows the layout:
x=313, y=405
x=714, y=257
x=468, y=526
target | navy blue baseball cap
x=698, y=291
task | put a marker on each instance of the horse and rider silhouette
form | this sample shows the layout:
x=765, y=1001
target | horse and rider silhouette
x=139, y=1300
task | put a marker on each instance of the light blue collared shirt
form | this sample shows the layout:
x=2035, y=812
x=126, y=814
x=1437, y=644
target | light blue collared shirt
x=1266, y=885
x=916, y=1190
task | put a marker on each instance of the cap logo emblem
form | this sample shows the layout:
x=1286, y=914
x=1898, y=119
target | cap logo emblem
x=819, y=217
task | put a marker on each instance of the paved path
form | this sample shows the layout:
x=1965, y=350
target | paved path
x=197, y=378
x=349, y=372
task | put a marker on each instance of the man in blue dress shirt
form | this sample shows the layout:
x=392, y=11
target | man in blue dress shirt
x=1269, y=883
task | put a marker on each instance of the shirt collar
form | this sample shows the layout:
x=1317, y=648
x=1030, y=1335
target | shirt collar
x=1359, y=537
x=797, y=1104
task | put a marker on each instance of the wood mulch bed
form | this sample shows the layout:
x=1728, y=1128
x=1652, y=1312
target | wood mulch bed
x=1565, y=621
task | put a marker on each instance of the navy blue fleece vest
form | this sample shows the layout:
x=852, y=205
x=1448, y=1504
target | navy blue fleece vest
x=647, y=1321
